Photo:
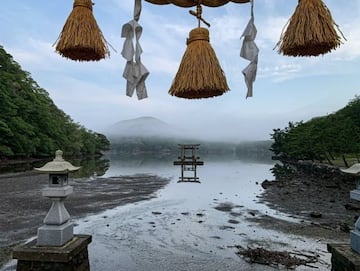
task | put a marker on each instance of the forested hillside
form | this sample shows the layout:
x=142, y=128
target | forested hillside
x=31, y=125
x=326, y=139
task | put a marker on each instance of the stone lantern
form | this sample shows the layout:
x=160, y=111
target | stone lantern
x=355, y=195
x=57, y=228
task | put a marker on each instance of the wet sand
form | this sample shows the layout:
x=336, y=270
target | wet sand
x=23, y=208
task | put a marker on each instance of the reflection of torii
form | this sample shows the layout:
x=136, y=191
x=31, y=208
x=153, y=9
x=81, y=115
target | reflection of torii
x=192, y=3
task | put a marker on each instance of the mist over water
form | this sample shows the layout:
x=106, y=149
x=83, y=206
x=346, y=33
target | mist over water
x=230, y=130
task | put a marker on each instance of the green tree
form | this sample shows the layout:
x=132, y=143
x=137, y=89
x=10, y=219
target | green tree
x=321, y=138
x=31, y=125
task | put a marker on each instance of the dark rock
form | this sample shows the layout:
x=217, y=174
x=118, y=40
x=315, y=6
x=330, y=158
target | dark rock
x=252, y=213
x=265, y=184
x=344, y=227
x=156, y=213
x=315, y=215
x=235, y=214
x=224, y=207
x=352, y=206
x=225, y=227
x=334, y=186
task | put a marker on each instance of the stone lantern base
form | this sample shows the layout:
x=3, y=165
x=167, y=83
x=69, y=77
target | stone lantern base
x=73, y=256
x=355, y=241
x=55, y=235
x=343, y=258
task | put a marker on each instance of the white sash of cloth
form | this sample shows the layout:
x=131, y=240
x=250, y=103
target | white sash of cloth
x=135, y=72
x=250, y=51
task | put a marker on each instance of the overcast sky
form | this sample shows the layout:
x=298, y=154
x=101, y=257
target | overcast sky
x=93, y=93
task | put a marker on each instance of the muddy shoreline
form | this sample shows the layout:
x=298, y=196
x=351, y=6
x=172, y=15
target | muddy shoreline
x=23, y=208
x=320, y=205
x=320, y=201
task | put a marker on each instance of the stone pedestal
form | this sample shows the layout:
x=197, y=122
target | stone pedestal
x=57, y=229
x=355, y=234
x=355, y=194
x=72, y=256
x=355, y=240
x=54, y=235
x=343, y=258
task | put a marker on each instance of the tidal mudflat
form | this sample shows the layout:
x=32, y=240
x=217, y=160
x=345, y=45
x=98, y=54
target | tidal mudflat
x=185, y=226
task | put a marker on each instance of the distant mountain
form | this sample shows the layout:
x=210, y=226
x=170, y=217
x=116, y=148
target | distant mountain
x=142, y=127
x=150, y=137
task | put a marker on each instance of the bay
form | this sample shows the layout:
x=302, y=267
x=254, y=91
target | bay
x=189, y=226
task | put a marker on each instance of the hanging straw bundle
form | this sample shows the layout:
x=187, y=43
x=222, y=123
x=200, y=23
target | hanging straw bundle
x=200, y=74
x=81, y=38
x=310, y=31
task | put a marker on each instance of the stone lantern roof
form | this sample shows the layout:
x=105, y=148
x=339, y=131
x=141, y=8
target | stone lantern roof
x=354, y=169
x=58, y=165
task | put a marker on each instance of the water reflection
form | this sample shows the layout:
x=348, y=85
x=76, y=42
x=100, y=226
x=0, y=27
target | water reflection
x=148, y=159
x=115, y=164
x=121, y=164
x=94, y=166
x=154, y=159
x=90, y=166
x=21, y=166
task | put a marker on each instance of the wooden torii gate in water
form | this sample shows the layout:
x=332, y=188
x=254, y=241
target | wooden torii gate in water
x=188, y=160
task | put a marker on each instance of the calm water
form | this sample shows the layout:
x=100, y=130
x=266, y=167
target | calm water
x=226, y=179
x=181, y=229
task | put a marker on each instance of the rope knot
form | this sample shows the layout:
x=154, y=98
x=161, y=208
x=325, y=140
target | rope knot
x=83, y=3
x=199, y=33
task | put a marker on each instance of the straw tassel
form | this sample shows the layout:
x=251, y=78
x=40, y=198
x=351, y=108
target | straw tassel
x=310, y=31
x=200, y=74
x=81, y=38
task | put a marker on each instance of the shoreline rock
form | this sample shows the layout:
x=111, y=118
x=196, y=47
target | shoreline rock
x=317, y=194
